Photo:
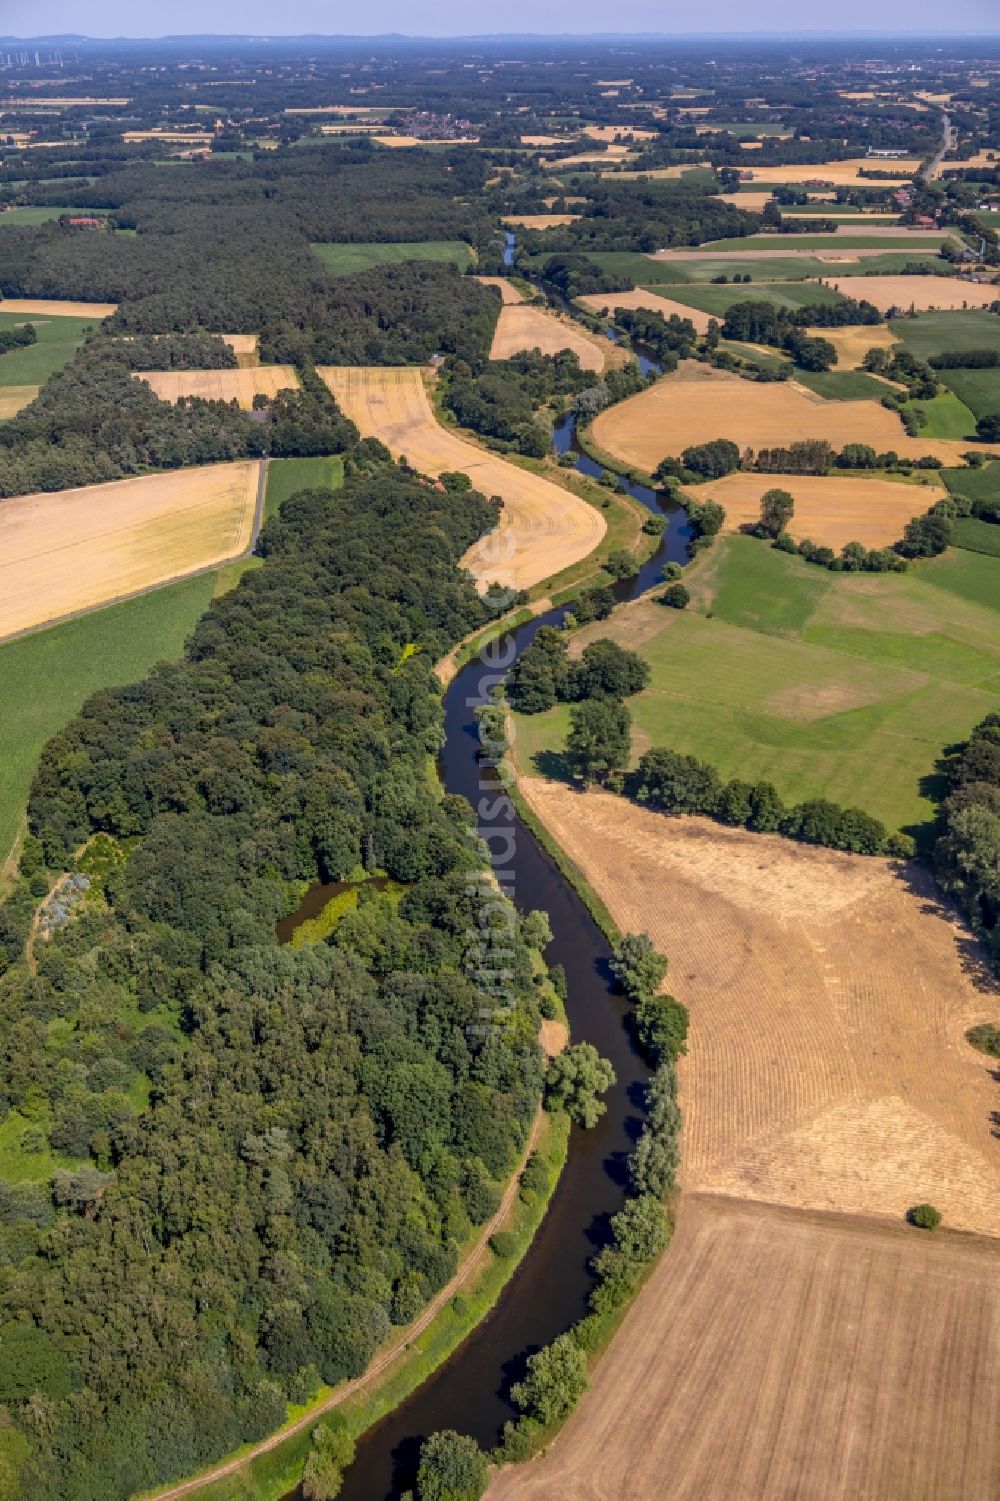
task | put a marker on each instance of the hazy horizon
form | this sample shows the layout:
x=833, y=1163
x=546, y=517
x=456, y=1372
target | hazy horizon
x=106, y=19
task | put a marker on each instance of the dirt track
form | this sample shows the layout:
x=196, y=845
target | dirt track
x=543, y=529
x=784, y=1357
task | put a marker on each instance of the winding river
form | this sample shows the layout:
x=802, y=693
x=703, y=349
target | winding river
x=549, y=1290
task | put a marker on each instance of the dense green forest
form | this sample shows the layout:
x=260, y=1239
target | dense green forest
x=270, y=1155
x=94, y=421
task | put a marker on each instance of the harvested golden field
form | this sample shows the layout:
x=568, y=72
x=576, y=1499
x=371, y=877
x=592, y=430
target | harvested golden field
x=185, y=137
x=240, y=385
x=783, y=1357
x=48, y=307
x=751, y=202
x=827, y=1067
x=508, y=292
x=922, y=292
x=581, y=158
x=831, y=511
x=697, y=404
x=853, y=342
x=677, y=170
x=840, y=174
x=403, y=140
x=13, y=398
x=244, y=346
x=71, y=551
x=543, y=528
x=608, y=302
x=612, y=133
x=538, y=221
x=529, y=327
x=543, y=140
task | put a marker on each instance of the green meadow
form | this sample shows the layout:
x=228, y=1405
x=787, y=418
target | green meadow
x=58, y=340
x=343, y=259
x=846, y=686
x=957, y=332
x=45, y=677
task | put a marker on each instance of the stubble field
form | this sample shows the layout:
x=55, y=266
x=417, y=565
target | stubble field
x=830, y=510
x=240, y=385
x=697, y=404
x=524, y=326
x=651, y=302
x=921, y=292
x=543, y=528
x=77, y=549
x=777, y=1357
x=827, y=1067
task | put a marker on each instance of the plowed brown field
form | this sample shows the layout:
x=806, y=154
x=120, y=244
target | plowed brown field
x=543, y=528
x=222, y=385
x=61, y=553
x=830, y=511
x=786, y=1357
x=524, y=326
x=697, y=404
x=829, y=996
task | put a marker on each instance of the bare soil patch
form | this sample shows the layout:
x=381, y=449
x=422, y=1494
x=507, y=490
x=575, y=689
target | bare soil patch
x=525, y=326
x=609, y=302
x=785, y=1357
x=71, y=551
x=240, y=385
x=921, y=292
x=696, y=404
x=830, y=511
x=543, y=528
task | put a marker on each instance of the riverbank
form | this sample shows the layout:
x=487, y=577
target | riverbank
x=267, y=1471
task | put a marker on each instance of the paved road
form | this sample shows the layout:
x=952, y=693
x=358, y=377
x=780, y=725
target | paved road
x=934, y=167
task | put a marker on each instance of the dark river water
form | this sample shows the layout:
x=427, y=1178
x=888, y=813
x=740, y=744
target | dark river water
x=549, y=1291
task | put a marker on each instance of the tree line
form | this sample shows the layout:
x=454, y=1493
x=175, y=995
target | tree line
x=270, y=1155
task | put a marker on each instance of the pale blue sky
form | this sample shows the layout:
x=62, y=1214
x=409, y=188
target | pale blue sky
x=456, y=17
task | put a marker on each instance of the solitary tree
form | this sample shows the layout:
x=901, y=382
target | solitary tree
x=776, y=508
x=924, y=1216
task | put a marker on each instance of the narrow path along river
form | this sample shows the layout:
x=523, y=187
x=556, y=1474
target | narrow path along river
x=550, y=1288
